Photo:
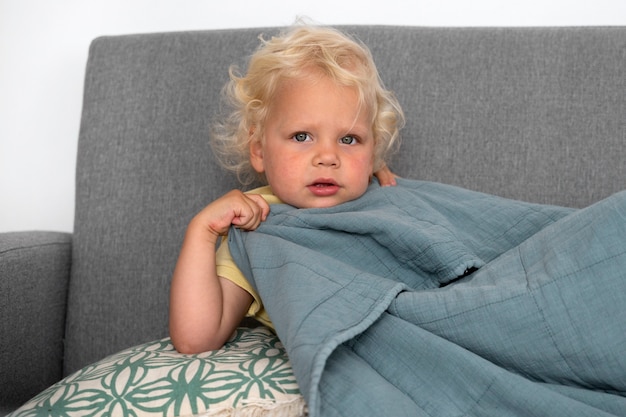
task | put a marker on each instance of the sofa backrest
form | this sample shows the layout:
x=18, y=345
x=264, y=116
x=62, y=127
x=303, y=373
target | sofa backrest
x=536, y=114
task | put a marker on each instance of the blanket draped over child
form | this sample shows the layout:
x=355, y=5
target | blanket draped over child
x=426, y=299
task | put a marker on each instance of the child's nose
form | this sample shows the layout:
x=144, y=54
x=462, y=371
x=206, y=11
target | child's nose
x=326, y=154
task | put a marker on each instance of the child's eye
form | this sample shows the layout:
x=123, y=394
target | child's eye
x=301, y=137
x=348, y=140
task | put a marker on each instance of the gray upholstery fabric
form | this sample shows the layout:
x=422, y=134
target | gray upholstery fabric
x=34, y=274
x=535, y=114
x=532, y=114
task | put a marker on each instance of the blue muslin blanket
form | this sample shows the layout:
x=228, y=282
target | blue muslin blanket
x=431, y=300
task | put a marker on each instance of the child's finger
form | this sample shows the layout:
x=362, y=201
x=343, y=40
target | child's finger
x=261, y=203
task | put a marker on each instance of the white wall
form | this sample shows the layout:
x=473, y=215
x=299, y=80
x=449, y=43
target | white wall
x=43, y=49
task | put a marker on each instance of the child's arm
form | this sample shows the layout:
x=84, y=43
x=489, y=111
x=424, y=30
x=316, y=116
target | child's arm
x=204, y=308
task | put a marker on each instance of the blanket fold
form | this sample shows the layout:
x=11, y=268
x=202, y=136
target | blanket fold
x=358, y=295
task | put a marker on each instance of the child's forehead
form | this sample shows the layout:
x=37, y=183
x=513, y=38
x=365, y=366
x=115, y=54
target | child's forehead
x=295, y=92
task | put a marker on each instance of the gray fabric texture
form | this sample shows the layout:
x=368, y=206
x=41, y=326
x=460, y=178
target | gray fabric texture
x=535, y=114
x=531, y=114
x=34, y=276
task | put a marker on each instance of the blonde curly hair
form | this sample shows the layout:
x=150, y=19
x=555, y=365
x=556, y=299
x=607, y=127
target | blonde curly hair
x=291, y=55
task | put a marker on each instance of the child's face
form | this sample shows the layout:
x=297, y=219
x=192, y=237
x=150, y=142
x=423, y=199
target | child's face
x=318, y=145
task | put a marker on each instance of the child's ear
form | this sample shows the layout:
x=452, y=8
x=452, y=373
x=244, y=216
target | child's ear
x=256, y=152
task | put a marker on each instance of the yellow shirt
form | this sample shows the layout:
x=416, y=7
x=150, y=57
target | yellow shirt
x=226, y=267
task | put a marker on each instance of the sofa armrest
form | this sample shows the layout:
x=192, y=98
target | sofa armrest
x=34, y=277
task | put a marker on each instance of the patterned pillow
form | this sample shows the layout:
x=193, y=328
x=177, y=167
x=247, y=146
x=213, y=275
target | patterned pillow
x=251, y=375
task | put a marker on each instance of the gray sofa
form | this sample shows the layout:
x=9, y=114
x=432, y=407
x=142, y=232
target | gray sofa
x=537, y=114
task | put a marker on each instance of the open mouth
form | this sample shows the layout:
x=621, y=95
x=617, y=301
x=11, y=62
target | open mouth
x=324, y=182
x=324, y=187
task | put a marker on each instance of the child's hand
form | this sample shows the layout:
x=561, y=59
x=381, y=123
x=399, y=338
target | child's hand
x=245, y=211
x=385, y=177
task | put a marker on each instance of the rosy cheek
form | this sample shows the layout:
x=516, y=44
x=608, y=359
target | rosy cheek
x=367, y=165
